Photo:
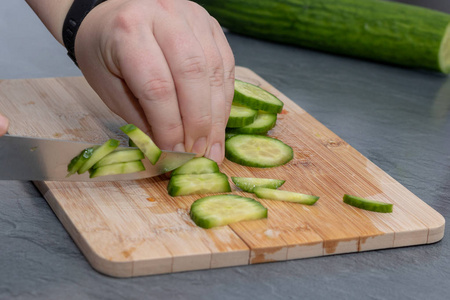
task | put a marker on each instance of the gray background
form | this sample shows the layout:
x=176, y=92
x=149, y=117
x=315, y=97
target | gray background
x=397, y=117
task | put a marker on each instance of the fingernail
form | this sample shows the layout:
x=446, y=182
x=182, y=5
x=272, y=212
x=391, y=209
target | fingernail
x=179, y=148
x=216, y=153
x=199, y=146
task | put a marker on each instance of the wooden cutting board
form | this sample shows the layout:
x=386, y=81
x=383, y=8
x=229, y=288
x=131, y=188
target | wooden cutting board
x=133, y=228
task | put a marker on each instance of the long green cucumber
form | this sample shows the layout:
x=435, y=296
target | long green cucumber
x=384, y=31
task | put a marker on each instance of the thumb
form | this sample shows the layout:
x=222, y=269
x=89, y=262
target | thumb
x=4, y=124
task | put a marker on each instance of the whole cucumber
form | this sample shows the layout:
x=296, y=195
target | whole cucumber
x=383, y=31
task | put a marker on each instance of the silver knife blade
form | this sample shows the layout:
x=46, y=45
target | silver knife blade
x=39, y=159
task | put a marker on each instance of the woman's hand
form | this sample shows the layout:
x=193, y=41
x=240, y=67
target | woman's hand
x=4, y=123
x=164, y=66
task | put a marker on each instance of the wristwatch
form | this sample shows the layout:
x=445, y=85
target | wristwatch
x=77, y=12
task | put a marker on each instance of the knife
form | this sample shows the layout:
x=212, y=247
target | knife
x=39, y=159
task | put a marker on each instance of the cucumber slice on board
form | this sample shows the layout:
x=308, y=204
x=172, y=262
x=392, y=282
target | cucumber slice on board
x=257, y=151
x=255, y=97
x=280, y=195
x=241, y=116
x=118, y=168
x=197, y=165
x=143, y=142
x=190, y=184
x=367, y=204
x=98, y=153
x=247, y=184
x=220, y=210
x=120, y=156
x=79, y=160
x=262, y=124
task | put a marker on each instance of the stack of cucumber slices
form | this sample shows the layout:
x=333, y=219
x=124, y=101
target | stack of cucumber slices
x=253, y=113
x=107, y=160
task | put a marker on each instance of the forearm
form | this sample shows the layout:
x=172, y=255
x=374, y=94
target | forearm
x=52, y=13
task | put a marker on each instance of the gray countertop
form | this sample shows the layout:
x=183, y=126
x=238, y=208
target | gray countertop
x=398, y=118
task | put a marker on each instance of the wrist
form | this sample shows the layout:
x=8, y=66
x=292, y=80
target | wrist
x=75, y=16
x=52, y=13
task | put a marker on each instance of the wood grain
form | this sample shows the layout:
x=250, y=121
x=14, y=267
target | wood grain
x=133, y=228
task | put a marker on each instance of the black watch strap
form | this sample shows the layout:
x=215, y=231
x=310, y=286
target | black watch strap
x=77, y=12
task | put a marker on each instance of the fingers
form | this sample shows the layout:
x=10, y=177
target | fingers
x=149, y=79
x=163, y=66
x=4, y=124
x=188, y=65
x=222, y=91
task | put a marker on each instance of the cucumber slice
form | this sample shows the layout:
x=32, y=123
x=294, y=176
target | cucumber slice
x=257, y=151
x=98, y=154
x=241, y=116
x=262, y=124
x=143, y=142
x=221, y=210
x=280, y=195
x=367, y=204
x=180, y=185
x=197, y=165
x=255, y=97
x=247, y=184
x=79, y=160
x=119, y=168
x=120, y=156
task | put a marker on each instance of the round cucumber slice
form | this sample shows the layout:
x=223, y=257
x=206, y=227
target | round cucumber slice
x=247, y=184
x=241, y=116
x=255, y=97
x=367, y=204
x=257, y=151
x=262, y=124
x=221, y=210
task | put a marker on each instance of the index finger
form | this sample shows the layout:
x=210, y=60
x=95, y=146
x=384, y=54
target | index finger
x=149, y=79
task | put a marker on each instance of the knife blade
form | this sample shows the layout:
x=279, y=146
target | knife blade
x=39, y=159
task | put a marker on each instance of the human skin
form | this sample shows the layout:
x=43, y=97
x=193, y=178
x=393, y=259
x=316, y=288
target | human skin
x=4, y=123
x=164, y=66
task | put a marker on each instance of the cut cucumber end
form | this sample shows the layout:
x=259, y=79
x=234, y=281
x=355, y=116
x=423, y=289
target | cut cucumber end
x=288, y=196
x=128, y=128
x=76, y=162
x=444, y=52
x=220, y=210
x=367, y=204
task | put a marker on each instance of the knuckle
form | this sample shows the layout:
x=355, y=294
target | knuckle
x=193, y=67
x=126, y=20
x=216, y=76
x=200, y=122
x=157, y=89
